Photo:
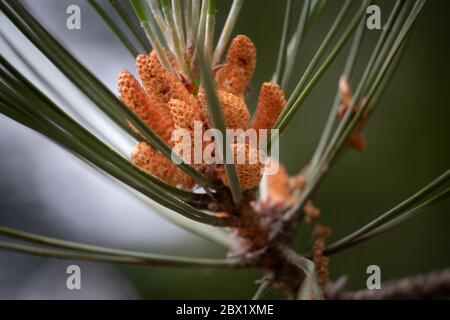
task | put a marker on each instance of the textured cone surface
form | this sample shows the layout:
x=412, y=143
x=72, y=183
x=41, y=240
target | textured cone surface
x=270, y=104
x=234, y=76
x=159, y=83
x=249, y=173
x=133, y=96
x=158, y=165
x=234, y=109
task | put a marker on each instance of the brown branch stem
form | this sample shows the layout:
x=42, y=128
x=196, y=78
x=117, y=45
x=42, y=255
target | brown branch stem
x=434, y=285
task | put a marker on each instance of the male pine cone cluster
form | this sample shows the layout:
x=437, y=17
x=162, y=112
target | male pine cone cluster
x=164, y=103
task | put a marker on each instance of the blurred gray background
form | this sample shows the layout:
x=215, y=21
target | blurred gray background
x=45, y=190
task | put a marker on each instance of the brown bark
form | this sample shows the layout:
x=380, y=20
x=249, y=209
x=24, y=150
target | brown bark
x=434, y=285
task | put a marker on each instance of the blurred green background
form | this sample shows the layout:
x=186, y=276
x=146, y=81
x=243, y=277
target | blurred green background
x=408, y=146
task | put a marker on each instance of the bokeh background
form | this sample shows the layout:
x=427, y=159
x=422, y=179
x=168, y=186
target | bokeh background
x=45, y=190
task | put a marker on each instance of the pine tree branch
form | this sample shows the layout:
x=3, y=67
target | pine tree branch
x=434, y=285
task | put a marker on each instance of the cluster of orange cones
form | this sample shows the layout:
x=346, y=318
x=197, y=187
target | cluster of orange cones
x=165, y=103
